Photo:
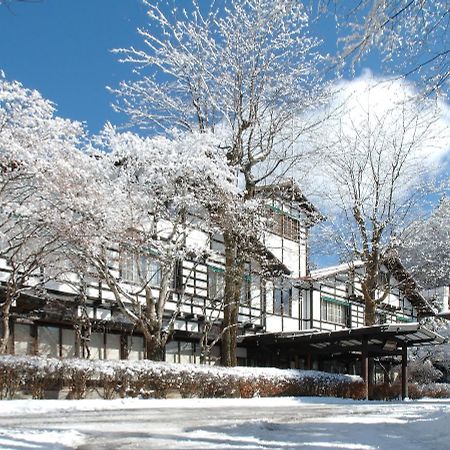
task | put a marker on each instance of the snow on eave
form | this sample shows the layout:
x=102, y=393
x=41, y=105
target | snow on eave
x=272, y=264
x=444, y=314
x=290, y=190
x=327, y=272
x=409, y=286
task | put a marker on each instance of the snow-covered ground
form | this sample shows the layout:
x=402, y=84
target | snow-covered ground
x=268, y=423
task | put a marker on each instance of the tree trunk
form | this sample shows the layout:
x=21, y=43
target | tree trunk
x=4, y=327
x=369, y=312
x=204, y=351
x=369, y=288
x=234, y=270
x=154, y=349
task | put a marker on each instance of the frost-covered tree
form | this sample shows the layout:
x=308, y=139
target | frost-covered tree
x=411, y=35
x=245, y=68
x=432, y=363
x=32, y=139
x=385, y=150
x=425, y=247
x=134, y=225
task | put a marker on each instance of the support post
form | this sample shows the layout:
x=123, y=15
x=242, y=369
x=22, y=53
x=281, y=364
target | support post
x=365, y=368
x=404, y=371
x=386, y=378
x=308, y=361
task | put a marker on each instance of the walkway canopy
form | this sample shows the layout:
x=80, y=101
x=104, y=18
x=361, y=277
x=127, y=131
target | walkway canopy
x=362, y=343
x=381, y=340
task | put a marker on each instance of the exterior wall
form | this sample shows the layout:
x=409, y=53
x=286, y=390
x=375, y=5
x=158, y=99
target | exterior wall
x=336, y=303
x=287, y=237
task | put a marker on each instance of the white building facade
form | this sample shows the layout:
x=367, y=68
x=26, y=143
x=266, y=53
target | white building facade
x=53, y=321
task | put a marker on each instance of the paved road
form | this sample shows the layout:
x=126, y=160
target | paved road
x=307, y=424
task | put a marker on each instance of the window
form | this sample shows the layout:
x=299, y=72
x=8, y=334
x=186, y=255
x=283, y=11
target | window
x=384, y=279
x=48, y=341
x=291, y=228
x=177, y=282
x=113, y=346
x=216, y=283
x=135, y=347
x=187, y=352
x=195, y=278
x=276, y=222
x=381, y=318
x=246, y=291
x=140, y=269
x=68, y=348
x=97, y=346
x=284, y=225
x=334, y=310
x=23, y=340
x=282, y=301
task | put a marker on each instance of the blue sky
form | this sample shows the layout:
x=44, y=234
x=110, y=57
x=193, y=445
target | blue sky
x=62, y=49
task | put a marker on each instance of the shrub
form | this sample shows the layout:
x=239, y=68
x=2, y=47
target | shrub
x=10, y=381
x=154, y=379
x=76, y=378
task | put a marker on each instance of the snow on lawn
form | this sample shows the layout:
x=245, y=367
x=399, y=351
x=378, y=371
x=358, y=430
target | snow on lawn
x=19, y=407
x=286, y=422
x=18, y=438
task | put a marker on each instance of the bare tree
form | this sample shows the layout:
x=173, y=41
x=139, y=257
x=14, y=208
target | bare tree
x=381, y=167
x=411, y=35
x=244, y=69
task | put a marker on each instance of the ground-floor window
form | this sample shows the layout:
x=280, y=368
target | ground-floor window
x=135, y=347
x=49, y=341
x=182, y=352
x=53, y=341
x=23, y=341
x=105, y=346
x=189, y=353
x=68, y=344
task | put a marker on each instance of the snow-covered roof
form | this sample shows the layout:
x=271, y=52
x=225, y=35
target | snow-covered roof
x=289, y=190
x=412, y=334
x=444, y=314
x=327, y=272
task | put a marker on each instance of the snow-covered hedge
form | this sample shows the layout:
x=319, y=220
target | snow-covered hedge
x=415, y=391
x=430, y=390
x=38, y=376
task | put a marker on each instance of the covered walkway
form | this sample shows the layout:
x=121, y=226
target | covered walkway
x=361, y=344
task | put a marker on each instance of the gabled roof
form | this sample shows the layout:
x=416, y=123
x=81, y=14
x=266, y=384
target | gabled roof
x=270, y=262
x=408, y=285
x=289, y=191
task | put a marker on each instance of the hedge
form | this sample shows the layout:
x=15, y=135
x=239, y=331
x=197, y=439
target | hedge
x=38, y=377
